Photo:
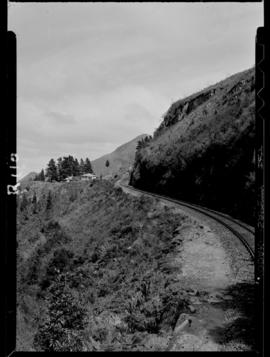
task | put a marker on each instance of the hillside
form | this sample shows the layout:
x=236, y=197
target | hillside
x=93, y=269
x=27, y=179
x=203, y=151
x=120, y=159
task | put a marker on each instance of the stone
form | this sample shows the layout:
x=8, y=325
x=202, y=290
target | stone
x=192, y=309
x=193, y=292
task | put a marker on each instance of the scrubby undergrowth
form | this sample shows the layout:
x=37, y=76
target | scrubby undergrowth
x=94, y=269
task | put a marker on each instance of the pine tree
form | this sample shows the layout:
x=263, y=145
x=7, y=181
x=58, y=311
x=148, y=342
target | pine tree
x=37, y=177
x=71, y=165
x=107, y=163
x=67, y=167
x=81, y=167
x=34, y=203
x=88, y=167
x=60, y=169
x=76, y=168
x=42, y=175
x=51, y=172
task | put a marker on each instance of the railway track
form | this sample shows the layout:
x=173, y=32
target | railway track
x=242, y=231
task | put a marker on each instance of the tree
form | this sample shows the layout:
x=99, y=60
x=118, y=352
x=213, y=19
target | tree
x=67, y=166
x=42, y=175
x=88, y=167
x=82, y=167
x=51, y=172
x=70, y=165
x=107, y=163
x=73, y=165
x=60, y=169
x=34, y=203
x=76, y=168
x=143, y=142
x=64, y=321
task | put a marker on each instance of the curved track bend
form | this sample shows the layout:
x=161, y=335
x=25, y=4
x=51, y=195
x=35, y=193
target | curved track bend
x=242, y=231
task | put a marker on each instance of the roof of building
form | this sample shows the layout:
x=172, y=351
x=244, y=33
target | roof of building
x=88, y=175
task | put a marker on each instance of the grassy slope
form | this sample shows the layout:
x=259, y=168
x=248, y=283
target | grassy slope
x=120, y=159
x=93, y=271
x=204, y=149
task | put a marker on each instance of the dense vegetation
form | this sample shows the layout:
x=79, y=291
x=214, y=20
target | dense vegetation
x=204, y=149
x=64, y=167
x=95, y=269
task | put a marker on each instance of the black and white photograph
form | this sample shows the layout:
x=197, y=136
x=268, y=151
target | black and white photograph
x=136, y=201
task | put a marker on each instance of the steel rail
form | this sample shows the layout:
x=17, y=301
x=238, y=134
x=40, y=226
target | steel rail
x=206, y=211
x=229, y=218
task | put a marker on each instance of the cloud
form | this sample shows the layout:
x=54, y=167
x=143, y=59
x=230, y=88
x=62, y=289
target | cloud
x=93, y=75
x=60, y=118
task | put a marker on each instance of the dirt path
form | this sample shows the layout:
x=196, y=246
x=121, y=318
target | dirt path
x=216, y=270
x=204, y=262
x=215, y=301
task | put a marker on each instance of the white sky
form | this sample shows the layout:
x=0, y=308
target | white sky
x=92, y=76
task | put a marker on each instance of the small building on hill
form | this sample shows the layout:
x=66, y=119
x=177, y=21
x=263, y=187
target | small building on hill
x=88, y=177
x=68, y=179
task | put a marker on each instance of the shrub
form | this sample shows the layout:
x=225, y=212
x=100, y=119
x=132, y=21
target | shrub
x=24, y=203
x=61, y=261
x=61, y=329
x=49, y=201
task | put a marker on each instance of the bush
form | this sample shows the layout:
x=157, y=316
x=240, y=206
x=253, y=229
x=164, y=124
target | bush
x=61, y=261
x=153, y=306
x=61, y=329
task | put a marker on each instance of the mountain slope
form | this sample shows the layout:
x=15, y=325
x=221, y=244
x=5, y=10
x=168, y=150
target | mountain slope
x=203, y=150
x=27, y=179
x=119, y=160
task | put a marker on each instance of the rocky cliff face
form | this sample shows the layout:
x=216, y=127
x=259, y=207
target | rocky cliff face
x=203, y=150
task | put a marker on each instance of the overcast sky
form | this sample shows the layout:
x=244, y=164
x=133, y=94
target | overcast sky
x=92, y=76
